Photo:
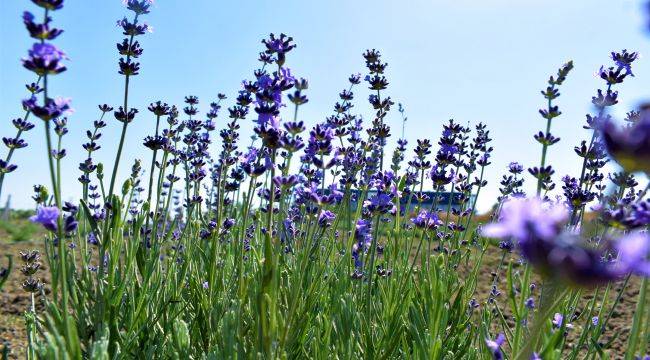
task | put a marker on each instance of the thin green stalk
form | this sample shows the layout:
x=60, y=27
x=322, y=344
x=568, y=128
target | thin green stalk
x=545, y=144
x=639, y=312
x=126, y=120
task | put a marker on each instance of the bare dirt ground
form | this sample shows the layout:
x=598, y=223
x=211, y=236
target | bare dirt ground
x=14, y=300
x=618, y=327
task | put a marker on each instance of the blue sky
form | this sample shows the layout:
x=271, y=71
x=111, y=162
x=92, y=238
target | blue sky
x=464, y=59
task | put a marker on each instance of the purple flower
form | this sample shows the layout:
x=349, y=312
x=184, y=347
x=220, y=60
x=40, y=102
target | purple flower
x=326, y=218
x=228, y=224
x=630, y=145
x=264, y=82
x=439, y=176
x=288, y=79
x=530, y=303
x=363, y=237
x=557, y=320
x=205, y=285
x=495, y=346
x=427, y=220
x=363, y=233
x=633, y=250
x=595, y=320
x=70, y=224
x=624, y=60
x=609, y=98
x=523, y=219
x=46, y=216
x=53, y=107
x=379, y=203
x=39, y=31
x=49, y=4
x=45, y=58
x=134, y=29
x=473, y=304
x=92, y=239
x=139, y=7
x=515, y=168
x=6, y=167
x=536, y=227
x=279, y=46
x=286, y=182
x=320, y=140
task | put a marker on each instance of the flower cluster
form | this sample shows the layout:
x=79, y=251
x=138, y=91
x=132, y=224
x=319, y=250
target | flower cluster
x=31, y=265
x=543, y=172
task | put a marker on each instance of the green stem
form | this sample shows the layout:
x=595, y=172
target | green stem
x=638, y=319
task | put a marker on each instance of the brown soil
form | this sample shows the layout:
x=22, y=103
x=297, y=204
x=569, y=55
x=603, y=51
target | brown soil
x=618, y=326
x=14, y=301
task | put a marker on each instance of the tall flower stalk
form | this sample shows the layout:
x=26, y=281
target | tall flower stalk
x=543, y=173
x=130, y=49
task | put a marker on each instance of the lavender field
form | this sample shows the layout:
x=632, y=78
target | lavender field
x=329, y=237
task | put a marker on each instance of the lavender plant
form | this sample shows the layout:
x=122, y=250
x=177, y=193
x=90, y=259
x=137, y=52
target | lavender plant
x=241, y=252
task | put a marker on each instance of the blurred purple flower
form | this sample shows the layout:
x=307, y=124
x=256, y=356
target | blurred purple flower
x=46, y=216
x=44, y=58
x=326, y=218
x=530, y=303
x=495, y=346
x=630, y=145
x=557, y=320
x=53, y=108
x=40, y=31
x=6, y=167
x=49, y=4
x=515, y=168
x=633, y=250
x=523, y=219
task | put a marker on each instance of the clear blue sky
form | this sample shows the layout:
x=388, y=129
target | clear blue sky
x=469, y=60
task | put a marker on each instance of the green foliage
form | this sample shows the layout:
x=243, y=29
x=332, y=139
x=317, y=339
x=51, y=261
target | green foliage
x=19, y=229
